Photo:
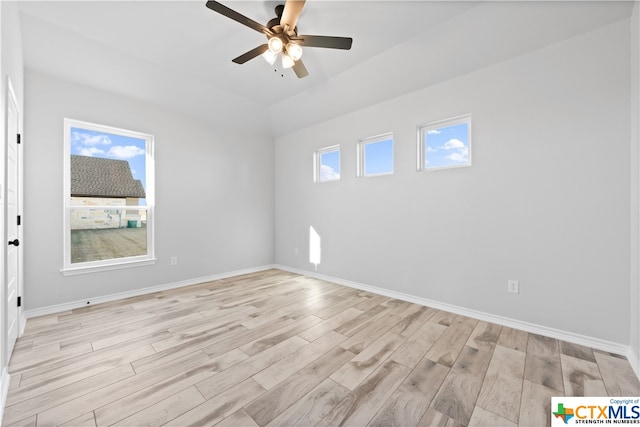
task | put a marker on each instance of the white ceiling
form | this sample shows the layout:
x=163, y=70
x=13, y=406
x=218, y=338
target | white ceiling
x=178, y=53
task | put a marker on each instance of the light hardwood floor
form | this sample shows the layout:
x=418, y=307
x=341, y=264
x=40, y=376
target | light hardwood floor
x=275, y=348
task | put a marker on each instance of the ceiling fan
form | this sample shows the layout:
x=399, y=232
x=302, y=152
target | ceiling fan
x=282, y=36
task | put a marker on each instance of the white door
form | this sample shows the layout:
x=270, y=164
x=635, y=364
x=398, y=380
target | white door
x=12, y=257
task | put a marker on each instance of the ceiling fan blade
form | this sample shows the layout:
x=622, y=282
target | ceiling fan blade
x=251, y=54
x=238, y=17
x=300, y=69
x=292, y=10
x=324, y=41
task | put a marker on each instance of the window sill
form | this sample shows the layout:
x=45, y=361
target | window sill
x=72, y=271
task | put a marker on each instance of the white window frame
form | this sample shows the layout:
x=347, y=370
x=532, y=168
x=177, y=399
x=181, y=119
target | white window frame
x=114, y=263
x=361, y=158
x=421, y=149
x=317, y=163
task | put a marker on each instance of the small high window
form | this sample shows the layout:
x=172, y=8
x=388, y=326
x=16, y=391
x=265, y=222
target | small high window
x=327, y=164
x=375, y=156
x=445, y=144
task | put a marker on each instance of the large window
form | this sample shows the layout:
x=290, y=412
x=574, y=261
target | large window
x=108, y=199
x=375, y=155
x=445, y=144
x=326, y=164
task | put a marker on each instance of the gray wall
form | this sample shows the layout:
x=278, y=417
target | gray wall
x=214, y=194
x=546, y=201
x=12, y=59
x=634, y=289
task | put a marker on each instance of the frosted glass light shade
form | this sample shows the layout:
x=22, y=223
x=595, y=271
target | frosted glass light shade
x=287, y=62
x=294, y=51
x=270, y=57
x=275, y=45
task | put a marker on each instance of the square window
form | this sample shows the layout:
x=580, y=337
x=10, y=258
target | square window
x=445, y=144
x=375, y=156
x=327, y=164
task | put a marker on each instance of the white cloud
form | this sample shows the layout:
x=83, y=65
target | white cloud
x=125, y=152
x=433, y=132
x=327, y=173
x=430, y=149
x=90, y=151
x=90, y=140
x=453, y=144
x=460, y=156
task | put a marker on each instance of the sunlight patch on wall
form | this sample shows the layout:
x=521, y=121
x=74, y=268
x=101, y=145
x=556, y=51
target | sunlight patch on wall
x=315, y=248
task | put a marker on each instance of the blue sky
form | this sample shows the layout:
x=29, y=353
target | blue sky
x=443, y=147
x=447, y=146
x=107, y=145
x=378, y=157
x=330, y=165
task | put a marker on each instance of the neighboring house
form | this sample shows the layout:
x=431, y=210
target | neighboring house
x=104, y=182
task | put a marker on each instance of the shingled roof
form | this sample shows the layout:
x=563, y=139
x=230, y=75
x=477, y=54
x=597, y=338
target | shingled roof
x=98, y=177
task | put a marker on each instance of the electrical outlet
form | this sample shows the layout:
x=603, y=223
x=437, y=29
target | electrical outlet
x=295, y=251
x=513, y=287
x=174, y=260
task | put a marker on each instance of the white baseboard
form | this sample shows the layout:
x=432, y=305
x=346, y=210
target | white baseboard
x=634, y=361
x=58, y=308
x=584, y=340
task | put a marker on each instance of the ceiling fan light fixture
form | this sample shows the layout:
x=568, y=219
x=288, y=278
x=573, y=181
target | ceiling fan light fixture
x=282, y=36
x=294, y=50
x=270, y=57
x=287, y=61
x=275, y=45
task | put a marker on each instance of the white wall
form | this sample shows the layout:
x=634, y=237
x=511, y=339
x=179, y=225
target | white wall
x=484, y=34
x=546, y=201
x=12, y=58
x=634, y=299
x=214, y=194
x=10, y=68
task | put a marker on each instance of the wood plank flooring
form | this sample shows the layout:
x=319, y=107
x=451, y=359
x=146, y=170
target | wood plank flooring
x=280, y=349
